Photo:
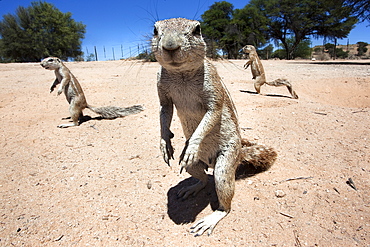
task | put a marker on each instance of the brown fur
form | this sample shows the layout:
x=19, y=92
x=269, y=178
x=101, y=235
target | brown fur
x=76, y=97
x=188, y=81
x=259, y=73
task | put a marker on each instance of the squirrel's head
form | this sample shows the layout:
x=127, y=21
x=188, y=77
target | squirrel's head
x=178, y=44
x=51, y=63
x=249, y=49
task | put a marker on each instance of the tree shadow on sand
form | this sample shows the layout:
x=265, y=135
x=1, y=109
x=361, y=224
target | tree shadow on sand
x=268, y=95
x=183, y=211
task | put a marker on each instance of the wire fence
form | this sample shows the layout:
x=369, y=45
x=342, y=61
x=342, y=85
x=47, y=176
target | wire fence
x=117, y=52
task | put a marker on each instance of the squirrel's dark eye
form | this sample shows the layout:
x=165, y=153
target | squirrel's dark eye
x=50, y=60
x=196, y=30
x=155, y=31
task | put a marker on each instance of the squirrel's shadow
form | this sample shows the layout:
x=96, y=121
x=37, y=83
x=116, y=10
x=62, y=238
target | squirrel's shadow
x=269, y=95
x=185, y=211
x=86, y=118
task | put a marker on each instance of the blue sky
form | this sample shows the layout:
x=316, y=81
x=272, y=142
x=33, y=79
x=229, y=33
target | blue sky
x=116, y=24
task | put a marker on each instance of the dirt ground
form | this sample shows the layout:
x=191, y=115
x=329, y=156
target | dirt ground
x=104, y=183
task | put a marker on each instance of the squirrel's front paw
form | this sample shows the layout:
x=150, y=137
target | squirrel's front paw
x=52, y=88
x=60, y=91
x=189, y=155
x=167, y=150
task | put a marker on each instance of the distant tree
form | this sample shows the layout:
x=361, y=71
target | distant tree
x=230, y=42
x=337, y=20
x=303, y=50
x=79, y=58
x=279, y=53
x=90, y=57
x=266, y=52
x=301, y=18
x=330, y=48
x=38, y=31
x=252, y=27
x=335, y=52
x=341, y=54
x=318, y=50
x=362, y=48
x=228, y=30
x=215, y=22
x=361, y=9
x=2, y=58
x=147, y=56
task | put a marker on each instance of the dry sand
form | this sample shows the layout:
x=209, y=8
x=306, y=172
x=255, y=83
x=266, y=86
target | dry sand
x=105, y=183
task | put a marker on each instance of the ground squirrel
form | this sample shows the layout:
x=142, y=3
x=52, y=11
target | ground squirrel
x=188, y=81
x=259, y=73
x=76, y=97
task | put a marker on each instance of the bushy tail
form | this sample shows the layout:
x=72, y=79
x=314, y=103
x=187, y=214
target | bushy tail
x=283, y=82
x=258, y=155
x=110, y=112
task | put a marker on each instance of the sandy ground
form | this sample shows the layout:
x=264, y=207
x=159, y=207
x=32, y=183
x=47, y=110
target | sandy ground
x=104, y=183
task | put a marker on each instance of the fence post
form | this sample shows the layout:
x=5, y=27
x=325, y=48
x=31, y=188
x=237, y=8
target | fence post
x=96, y=54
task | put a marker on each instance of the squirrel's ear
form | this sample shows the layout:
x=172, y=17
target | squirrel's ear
x=196, y=30
x=58, y=60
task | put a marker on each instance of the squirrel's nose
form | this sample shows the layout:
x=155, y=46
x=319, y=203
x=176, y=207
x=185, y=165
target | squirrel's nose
x=171, y=43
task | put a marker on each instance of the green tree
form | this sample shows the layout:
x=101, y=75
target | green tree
x=230, y=42
x=300, y=19
x=336, y=22
x=215, y=22
x=362, y=48
x=361, y=9
x=39, y=31
x=340, y=53
x=303, y=49
x=335, y=52
x=266, y=52
x=147, y=56
x=228, y=30
x=90, y=57
x=279, y=53
x=252, y=27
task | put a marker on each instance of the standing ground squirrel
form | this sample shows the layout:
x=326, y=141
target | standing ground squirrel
x=76, y=97
x=259, y=73
x=188, y=81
